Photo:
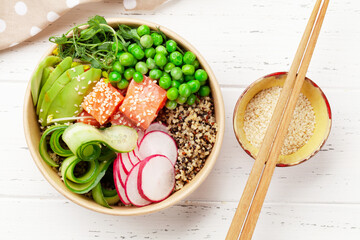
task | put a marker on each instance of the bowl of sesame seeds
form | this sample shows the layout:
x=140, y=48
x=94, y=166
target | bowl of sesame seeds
x=309, y=127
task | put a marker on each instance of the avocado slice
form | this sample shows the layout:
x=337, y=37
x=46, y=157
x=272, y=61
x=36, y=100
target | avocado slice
x=58, y=71
x=45, y=75
x=55, y=89
x=37, y=76
x=68, y=102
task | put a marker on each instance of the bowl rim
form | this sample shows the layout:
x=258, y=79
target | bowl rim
x=276, y=74
x=188, y=188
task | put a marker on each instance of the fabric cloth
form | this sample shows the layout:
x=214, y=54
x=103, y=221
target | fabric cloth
x=20, y=20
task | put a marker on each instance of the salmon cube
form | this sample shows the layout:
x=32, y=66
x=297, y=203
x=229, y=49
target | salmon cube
x=118, y=118
x=102, y=102
x=142, y=102
x=88, y=119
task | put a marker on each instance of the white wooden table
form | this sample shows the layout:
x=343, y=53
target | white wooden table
x=242, y=41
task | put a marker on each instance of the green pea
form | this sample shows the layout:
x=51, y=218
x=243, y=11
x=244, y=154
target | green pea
x=196, y=64
x=118, y=67
x=168, y=67
x=157, y=38
x=160, y=59
x=114, y=76
x=201, y=75
x=142, y=30
x=175, y=84
x=119, y=54
x=181, y=79
x=131, y=47
x=126, y=59
x=155, y=74
x=176, y=58
x=128, y=73
x=189, y=57
x=176, y=73
x=113, y=47
x=194, y=85
x=171, y=46
x=134, y=63
x=165, y=74
x=189, y=78
x=204, y=91
x=123, y=84
x=137, y=52
x=141, y=67
x=184, y=90
x=161, y=49
x=181, y=99
x=150, y=52
x=172, y=93
x=150, y=63
x=165, y=82
x=138, y=77
x=191, y=99
x=146, y=41
x=170, y=104
x=188, y=69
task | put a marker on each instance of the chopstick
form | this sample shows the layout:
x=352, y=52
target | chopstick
x=276, y=132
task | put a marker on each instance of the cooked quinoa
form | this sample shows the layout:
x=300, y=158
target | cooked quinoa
x=258, y=115
x=194, y=130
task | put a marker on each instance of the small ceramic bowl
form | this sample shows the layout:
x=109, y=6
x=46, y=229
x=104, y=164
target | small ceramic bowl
x=32, y=134
x=318, y=101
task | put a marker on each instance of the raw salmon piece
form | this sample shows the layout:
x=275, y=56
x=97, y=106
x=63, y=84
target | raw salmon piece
x=118, y=118
x=90, y=121
x=142, y=102
x=102, y=101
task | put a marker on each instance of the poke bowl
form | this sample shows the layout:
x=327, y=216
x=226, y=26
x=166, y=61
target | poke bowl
x=118, y=133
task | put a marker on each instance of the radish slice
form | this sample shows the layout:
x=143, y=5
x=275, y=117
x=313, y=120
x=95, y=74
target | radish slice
x=131, y=188
x=137, y=154
x=156, y=178
x=134, y=160
x=140, y=136
x=126, y=162
x=157, y=142
x=120, y=169
x=157, y=127
x=119, y=188
x=122, y=174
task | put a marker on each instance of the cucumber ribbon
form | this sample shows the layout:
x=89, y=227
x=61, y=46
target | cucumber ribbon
x=86, y=144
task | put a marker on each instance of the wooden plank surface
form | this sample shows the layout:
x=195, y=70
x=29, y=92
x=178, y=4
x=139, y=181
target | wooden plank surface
x=242, y=41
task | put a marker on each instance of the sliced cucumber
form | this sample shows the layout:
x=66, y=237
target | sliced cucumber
x=89, y=180
x=83, y=139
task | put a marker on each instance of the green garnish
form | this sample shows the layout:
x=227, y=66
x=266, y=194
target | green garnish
x=98, y=44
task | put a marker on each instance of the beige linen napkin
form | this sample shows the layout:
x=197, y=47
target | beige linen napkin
x=20, y=20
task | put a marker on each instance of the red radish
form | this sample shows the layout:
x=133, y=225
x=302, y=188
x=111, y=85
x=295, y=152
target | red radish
x=131, y=188
x=157, y=142
x=140, y=136
x=119, y=188
x=133, y=159
x=122, y=174
x=137, y=153
x=156, y=178
x=157, y=127
x=125, y=162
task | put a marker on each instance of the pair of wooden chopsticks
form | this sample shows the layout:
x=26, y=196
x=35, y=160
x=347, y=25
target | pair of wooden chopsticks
x=251, y=201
